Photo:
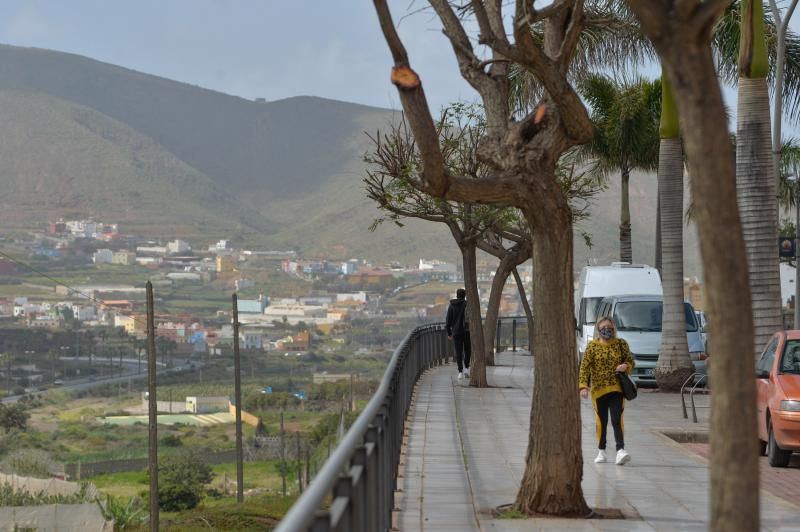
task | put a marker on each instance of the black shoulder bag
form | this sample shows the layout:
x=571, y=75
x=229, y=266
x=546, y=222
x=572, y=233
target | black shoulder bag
x=629, y=391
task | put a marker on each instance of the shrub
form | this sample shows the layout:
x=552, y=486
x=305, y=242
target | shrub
x=171, y=440
x=182, y=479
x=13, y=417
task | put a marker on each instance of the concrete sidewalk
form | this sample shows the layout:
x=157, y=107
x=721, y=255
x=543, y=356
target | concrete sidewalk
x=466, y=450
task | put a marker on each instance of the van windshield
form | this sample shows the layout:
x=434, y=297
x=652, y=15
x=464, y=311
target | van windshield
x=646, y=316
x=589, y=310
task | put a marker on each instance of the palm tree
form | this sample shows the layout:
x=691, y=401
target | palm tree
x=625, y=117
x=755, y=171
x=674, y=365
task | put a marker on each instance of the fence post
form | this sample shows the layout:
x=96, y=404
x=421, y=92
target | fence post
x=497, y=335
x=152, y=412
x=514, y=335
x=308, y=466
x=237, y=382
x=299, y=463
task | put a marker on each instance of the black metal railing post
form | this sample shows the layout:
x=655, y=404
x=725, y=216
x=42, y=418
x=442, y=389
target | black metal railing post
x=358, y=472
x=514, y=335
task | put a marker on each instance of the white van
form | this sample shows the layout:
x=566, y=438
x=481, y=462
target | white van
x=597, y=282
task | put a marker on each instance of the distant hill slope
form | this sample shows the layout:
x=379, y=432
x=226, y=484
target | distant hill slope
x=85, y=137
x=260, y=151
x=58, y=158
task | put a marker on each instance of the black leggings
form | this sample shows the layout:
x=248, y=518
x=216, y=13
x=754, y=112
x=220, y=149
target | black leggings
x=610, y=402
x=463, y=350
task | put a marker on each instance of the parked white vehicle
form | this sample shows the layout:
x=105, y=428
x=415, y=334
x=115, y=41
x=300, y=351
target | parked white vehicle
x=638, y=319
x=598, y=282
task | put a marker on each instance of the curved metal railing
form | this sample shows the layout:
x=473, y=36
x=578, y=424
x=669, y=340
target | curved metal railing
x=512, y=334
x=354, y=490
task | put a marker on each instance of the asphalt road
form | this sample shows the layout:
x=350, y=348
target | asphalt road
x=130, y=372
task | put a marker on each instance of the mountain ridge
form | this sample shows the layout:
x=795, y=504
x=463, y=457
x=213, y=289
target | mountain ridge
x=281, y=173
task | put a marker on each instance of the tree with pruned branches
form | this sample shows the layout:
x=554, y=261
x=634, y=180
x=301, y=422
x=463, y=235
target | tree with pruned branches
x=521, y=157
x=393, y=182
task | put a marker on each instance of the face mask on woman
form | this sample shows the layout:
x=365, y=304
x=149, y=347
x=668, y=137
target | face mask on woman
x=606, y=333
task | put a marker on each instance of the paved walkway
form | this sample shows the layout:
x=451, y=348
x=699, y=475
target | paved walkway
x=466, y=449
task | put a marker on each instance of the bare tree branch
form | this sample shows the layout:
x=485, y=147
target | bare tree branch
x=415, y=104
x=571, y=37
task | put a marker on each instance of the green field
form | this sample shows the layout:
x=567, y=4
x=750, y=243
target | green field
x=265, y=475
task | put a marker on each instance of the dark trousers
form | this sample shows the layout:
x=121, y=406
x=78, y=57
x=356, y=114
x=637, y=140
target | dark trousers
x=463, y=350
x=610, y=402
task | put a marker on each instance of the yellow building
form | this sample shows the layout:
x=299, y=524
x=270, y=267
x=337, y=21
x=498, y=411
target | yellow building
x=132, y=324
x=125, y=258
x=225, y=263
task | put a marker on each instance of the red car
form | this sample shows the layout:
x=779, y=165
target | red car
x=778, y=403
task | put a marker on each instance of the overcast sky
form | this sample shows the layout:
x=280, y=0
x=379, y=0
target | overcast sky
x=251, y=48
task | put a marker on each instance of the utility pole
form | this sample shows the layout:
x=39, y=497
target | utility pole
x=283, y=455
x=237, y=374
x=152, y=451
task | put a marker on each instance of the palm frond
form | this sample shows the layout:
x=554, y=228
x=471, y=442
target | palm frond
x=625, y=114
x=725, y=45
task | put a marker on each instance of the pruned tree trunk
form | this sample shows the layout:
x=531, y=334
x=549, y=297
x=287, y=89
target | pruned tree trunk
x=477, y=366
x=551, y=483
x=682, y=39
x=509, y=260
x=493, y=308
x=756, y=193
x=625, y=245
x=674, y=365
x=526, y=307
x=522, y=156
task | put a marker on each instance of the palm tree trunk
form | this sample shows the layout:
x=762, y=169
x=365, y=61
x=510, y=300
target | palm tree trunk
x=625, y=245
x=756, y=190
x=674, y=365
x=477, y=374
x=658, y=259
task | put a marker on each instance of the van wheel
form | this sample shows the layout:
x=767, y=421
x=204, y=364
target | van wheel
x=762, y=447
x=776, y=456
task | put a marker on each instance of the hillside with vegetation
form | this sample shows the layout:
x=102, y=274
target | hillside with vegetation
x=82, y=137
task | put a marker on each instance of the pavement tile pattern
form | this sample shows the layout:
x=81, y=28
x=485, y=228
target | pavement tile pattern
x=466, y=448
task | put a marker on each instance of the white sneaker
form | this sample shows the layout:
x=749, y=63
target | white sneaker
x=623, y=457
x=466, y=372
x=460, y=376
x=601, y=457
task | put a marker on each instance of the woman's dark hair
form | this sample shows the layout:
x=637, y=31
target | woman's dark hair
x=461, y=293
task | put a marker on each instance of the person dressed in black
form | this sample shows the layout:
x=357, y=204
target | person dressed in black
x=457, y=324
